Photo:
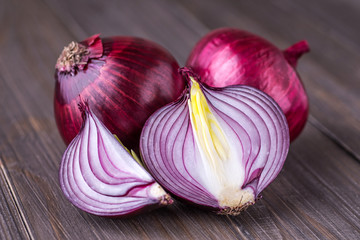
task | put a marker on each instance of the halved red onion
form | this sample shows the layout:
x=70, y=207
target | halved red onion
x=229, y=56
x=216, y=147
x=99, y=176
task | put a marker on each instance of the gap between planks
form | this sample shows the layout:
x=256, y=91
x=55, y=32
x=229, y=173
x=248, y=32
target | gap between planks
x=324, y=130
x=15, y=200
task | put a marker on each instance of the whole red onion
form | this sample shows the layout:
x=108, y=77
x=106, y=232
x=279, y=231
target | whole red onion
x=124, y=79
x=240, y=57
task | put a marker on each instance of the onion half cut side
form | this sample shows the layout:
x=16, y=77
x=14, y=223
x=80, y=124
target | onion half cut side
x=216, y=147
x=100, y=176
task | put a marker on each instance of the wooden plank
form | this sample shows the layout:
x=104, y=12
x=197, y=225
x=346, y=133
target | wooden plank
x=329, y=72
x=322, y=191
x=315, y=195
x=160, y=21
x=11, y=222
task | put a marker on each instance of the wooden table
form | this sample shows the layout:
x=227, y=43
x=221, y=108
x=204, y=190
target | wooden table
x=317, y=194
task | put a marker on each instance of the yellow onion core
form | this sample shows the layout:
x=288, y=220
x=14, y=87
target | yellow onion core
x=207, y=130
x=216, y=153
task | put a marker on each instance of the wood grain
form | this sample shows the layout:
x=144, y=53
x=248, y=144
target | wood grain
x=11, y=224
x=316, y=196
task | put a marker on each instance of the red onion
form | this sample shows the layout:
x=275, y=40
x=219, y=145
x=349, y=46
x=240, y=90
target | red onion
x=99, y=176
x=229, y=56
x=216, y=147
x=124, y=79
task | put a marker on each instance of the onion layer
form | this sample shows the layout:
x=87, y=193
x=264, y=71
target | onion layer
x=229, y=56
x=124, y=79
x=216, y=147
x=99, y=176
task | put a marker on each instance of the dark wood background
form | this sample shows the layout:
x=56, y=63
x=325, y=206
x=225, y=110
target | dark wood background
x=317, y=194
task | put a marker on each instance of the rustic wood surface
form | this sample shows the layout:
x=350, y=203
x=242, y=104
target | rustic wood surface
x=317, y=194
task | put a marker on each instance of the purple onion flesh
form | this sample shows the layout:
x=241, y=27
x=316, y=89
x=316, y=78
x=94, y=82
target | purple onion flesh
x=101, y=177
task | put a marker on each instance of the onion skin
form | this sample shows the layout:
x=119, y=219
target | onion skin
x=124, y=79
x=100, y=176
x=217, y=148
x=229, y=56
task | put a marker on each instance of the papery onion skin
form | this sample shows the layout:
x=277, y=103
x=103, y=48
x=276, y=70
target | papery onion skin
x=228, y=56
x=99, y=176
x=124, y=79
x=256, y=139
